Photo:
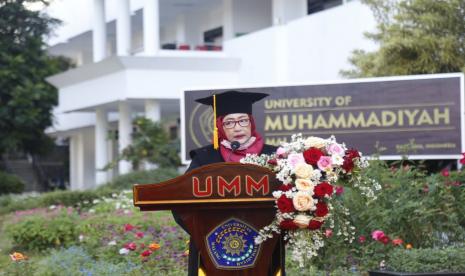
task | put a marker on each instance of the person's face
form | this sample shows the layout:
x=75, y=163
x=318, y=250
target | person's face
x=237, y=127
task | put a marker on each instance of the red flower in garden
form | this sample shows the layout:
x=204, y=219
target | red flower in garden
x=445, y=172
x=146, y=253
x=285, y=204
x=312, y=155
x=397, y=242
x=131, y=246
x=377, y=235
x=322, y=189
x=139, y=235
x=288, y=225
x=321, y=209
x=315, y=224
x=362, y=239
x=328, y=233
x=385, y=239
x=128, y=227
x=285, y=187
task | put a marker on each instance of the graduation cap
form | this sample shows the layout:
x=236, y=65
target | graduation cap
x=230, y=102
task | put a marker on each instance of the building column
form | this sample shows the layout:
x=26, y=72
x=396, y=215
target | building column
x=151, y=27
x=152, y=112
x=123, y=28
x=101, y=154
x=99, y=32
x=124, y=134
x=76, y=164
x=228, y=20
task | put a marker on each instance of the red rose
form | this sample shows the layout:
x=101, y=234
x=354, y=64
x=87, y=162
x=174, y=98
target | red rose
x=288, y=225
x=352, y=153
x=321, y=209
x=462, y=161
x=272, y=162
x=285, y=204
x=312, y=155
x=146, y=253
x=323, y=189
x=385, y=239
x=348, y=164
x=285, y=187
x=315, y=224
x=362, y=239
x=139, y=235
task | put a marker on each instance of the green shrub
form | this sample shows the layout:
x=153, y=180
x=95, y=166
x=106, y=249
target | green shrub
x=43, y=232
x=10, y=203
x=10, y=184
x=126, y=181
x=427, y=260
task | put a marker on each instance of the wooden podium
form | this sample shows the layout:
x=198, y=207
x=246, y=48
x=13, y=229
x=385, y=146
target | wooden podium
x=222, y=205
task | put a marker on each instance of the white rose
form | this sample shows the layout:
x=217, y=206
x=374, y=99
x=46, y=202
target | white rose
x=302, y=221
x=316, y=142
x=302, y=201
x=304, y=185
x=303, y=170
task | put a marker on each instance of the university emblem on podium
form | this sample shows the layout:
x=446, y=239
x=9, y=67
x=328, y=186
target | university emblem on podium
x=231, y=245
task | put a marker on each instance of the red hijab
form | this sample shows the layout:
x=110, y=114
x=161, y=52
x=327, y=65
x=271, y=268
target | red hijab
x=230, y=156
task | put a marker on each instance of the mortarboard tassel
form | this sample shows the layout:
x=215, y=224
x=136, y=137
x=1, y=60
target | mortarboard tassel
x=215, y=129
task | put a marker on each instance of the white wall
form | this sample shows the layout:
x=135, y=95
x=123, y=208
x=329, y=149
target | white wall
x=313, y=48
x=146, y=84
x=93, y=92
x=319, y=46
x=250, y=16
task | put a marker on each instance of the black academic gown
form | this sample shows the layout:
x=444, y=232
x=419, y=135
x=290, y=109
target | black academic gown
x=201, y=157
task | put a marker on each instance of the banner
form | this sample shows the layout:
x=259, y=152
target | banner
x=378, y=115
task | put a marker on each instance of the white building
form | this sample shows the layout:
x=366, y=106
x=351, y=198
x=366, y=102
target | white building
x=134, y=57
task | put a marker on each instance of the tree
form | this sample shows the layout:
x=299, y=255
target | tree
x=414, y=37
x=26, y=99
x=150, y=143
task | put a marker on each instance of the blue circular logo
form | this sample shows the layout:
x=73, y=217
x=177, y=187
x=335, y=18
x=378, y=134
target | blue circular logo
x=231, y=245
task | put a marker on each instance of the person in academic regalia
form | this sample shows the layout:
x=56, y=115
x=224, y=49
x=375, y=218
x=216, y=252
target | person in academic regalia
x=235, y=136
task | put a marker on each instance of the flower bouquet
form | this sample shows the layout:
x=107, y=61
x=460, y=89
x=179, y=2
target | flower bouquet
x=313, y=172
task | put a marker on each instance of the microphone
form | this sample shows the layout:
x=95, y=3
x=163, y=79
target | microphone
x=235, y=145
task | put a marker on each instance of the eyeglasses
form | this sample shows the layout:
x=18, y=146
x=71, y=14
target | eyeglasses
x=231, y=124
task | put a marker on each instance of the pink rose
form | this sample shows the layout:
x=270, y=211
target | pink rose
x=281, y=152
x=377, y=235
x=328, y=233
x=336, y=149
x=295, y=158
x=325, y=163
